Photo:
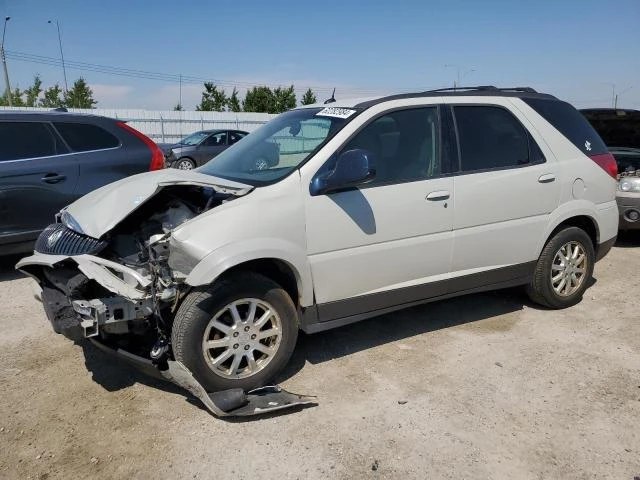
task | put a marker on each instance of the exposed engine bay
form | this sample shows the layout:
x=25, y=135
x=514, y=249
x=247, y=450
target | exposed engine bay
x=124, y=284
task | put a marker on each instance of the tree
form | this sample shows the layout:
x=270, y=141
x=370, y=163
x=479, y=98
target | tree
x=178, y=108
x=233, y=103
x=213, y=99
x=16, y=98
x=285, y=99
x=33, y=92
x=308, y=98
x=52, y=97
x=80, y=95
x=259, y=99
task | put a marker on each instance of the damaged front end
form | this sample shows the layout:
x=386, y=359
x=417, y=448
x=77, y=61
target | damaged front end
x=106, y=276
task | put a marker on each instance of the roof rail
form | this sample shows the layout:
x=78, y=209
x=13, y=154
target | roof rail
x=483, y=88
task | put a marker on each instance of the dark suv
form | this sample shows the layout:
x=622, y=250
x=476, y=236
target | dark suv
x=49, y=159
x=620, y=130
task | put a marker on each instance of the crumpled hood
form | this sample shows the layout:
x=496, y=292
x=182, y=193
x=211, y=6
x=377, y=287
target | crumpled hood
x=101, y=210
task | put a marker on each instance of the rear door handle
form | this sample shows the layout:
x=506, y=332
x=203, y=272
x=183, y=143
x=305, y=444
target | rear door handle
x=438, y=195
x=53, y=178
x=547, y=178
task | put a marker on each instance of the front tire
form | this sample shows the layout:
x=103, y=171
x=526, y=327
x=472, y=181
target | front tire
x=185, y=164
x=564, y=269
x=238, y=333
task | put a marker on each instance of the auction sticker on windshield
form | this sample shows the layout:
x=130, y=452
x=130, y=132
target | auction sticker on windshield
x=335, y=112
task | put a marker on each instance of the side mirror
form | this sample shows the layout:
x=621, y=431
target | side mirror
x=353, y=168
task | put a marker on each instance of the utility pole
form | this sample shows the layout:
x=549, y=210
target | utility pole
x=180, y=93
x=4, y=63
x=64, y=69
x=456, y=83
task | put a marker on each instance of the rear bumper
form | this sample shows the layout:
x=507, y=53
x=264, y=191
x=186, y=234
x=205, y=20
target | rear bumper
x=628, y=207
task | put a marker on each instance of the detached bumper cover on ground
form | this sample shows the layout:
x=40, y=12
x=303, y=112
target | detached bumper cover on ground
x=226, y=403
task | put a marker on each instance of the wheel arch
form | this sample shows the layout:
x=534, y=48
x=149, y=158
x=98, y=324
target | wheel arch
x=280, y=261
x=583, y=221
x=274, y=269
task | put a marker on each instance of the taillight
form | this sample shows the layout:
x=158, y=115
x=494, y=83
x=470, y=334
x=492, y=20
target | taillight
x=607, y=162
x=157, y=157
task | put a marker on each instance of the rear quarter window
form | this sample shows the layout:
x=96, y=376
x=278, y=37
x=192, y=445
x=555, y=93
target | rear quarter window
x=83, y=137
x=571, y=123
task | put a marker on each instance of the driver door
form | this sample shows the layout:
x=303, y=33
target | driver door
x=389, y=242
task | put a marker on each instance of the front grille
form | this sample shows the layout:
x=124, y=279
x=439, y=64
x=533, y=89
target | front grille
x=57, y=239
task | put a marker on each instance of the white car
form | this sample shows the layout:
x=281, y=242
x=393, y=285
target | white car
x=374, y=205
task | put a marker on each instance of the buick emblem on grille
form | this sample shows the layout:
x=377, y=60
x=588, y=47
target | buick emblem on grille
x=54, y=238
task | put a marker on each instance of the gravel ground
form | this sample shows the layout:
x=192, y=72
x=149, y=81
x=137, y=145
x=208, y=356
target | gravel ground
x=484, y=386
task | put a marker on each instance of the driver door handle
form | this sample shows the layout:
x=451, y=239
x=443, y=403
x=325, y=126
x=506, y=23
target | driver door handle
x=438, y=195
x=53, y=178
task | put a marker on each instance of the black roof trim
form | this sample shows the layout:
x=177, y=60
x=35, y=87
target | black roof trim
x=608, y=110
x=484, y=90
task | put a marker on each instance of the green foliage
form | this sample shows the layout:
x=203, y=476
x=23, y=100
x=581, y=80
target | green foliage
x=52, y=97
x=308, y=98
x=80, y=95
x=259, y=99
x=233, y=103
x=213, y=99
x=284, y=98
x=16, y=98
x=178, y=108
x=33, y=92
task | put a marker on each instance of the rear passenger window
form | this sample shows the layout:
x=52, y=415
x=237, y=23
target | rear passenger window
x=82, y=137
x=570, y=123
x=491, y=137
x=404, y=145
x=21, y=140
x=235, y=137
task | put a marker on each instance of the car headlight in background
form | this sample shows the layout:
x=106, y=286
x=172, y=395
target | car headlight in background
x=629, y=184
x=68, y=221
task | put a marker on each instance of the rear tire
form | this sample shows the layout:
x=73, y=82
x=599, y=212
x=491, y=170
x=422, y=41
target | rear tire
x=218, y=334
x=564, y=269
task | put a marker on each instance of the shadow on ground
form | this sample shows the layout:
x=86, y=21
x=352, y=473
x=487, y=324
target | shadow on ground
x=8, y=268
x=113, y=373
x=628, y=239
x=325, y=346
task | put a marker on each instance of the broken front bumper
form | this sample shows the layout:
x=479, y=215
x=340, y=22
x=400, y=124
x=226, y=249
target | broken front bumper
x=80, y=318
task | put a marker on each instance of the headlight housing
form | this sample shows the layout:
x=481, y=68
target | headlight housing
x=629, y=184
x=71, y=223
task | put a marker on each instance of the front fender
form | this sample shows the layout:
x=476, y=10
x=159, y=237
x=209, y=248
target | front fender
x=233, y=254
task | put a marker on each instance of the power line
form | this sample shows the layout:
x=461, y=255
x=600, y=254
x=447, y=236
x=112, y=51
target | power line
x=167, y=77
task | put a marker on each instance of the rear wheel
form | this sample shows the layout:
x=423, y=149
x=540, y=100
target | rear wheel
x=238, y=333
x=564, y=269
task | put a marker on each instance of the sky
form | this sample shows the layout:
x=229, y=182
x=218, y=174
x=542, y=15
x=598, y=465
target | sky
x=579, y=50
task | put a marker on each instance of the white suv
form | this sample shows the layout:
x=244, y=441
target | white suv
x=372, y=206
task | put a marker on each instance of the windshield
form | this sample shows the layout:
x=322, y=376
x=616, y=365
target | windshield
x=194, y=138
x=278, y=147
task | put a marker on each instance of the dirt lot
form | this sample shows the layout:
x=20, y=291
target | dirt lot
x=486, y=386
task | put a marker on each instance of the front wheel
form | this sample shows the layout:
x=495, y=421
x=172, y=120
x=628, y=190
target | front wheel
x=238, y=333
x=185, y=164
x=564, y=269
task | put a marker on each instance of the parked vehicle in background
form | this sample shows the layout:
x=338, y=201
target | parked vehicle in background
x=200, y=147
x=400, y=200
x=620, y=130
x=49, y=159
